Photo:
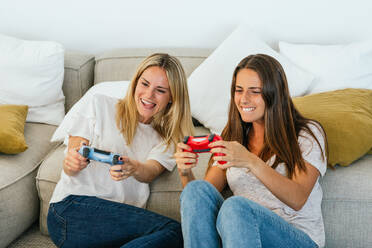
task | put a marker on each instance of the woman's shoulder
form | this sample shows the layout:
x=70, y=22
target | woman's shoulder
x=104, y=99
x=102, y=102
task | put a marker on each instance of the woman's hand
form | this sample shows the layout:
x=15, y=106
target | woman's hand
x=74, y=162
x=185, y=160
x=123, y=171
x=236, y=155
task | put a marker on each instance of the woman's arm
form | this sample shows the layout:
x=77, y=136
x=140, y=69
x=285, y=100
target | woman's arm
x=293, y=192
x=143, y=172
x=217, y=177
x=74, y=162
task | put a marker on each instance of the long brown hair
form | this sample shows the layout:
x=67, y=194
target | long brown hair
x=172, y=123
x=283, y=122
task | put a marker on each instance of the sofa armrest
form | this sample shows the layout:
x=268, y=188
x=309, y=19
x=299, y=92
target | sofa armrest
x=79, y=76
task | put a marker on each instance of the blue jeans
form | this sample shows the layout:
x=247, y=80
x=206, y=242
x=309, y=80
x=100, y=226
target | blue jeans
x=85, y=221
x=210, y=221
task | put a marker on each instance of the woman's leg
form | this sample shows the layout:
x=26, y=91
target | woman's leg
x=244, y=223
x=200, y=203
x=83, y=221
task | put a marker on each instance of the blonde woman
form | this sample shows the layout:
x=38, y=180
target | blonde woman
x=93, y=206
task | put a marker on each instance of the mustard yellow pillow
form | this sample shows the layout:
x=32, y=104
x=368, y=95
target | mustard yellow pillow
x=346, y=116
x=12, y=125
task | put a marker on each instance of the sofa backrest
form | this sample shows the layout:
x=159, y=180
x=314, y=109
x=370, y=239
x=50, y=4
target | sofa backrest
x=120, y=64
x=78, y=77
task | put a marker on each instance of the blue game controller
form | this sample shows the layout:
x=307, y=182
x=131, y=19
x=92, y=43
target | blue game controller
x=101, y=156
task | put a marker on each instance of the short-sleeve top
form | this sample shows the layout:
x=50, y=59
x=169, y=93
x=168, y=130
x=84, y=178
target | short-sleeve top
x=309, y=218
x=96, y=123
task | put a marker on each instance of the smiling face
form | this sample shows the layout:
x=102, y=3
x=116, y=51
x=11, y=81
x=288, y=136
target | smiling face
x=248, y=96
x=152, y=93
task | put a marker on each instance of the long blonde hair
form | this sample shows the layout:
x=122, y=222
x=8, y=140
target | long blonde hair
x=174, y=121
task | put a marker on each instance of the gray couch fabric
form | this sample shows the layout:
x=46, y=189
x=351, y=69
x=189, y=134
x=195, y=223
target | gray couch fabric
x=78, y=76
x=120, y=64
x=347, y=204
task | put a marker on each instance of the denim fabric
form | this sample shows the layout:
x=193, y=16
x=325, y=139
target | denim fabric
x=209, y=221
x=84, y=221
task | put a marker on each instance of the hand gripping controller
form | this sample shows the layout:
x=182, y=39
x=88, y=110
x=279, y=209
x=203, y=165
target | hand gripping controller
x=101, y=156
x=200, y=144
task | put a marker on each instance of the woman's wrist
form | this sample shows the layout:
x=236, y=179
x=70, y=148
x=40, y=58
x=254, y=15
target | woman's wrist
x=138, y=168
x=185, y=172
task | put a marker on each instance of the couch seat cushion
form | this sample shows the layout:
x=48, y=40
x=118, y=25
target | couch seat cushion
x=347, y=204
x=14, y=167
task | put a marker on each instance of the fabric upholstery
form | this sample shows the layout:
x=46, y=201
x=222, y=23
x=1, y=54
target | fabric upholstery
x=346, y=116
x=347, y=204
x=121, y=64
x=12, y=123
x=78, y=76
x=46, y=180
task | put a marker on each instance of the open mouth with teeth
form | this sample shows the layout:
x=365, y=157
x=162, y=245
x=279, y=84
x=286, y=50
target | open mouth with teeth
x=147, y=104
x=248, y=109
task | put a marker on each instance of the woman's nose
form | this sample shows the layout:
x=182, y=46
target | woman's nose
x=246, y=96
x=149, y=92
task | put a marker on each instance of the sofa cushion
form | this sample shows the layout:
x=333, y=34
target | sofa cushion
x=336, y=66
x=12, y=124
x=115, y=89
x=19, y=204
x=120, y=64
x=47, y=177
x=346, y=116
x=31, y=74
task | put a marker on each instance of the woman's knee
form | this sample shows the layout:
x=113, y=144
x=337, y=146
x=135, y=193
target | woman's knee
x=196, y=190
x=236, y=208
x=175, y=226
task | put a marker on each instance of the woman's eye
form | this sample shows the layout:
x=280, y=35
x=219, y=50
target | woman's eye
x=161, y=91
x=238, y=90
x=145, y=84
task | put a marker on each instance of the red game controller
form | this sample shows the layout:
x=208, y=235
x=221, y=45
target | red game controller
x=200, y=144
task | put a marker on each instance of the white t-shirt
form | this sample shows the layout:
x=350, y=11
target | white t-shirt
x=309, y=219
x=97, y=124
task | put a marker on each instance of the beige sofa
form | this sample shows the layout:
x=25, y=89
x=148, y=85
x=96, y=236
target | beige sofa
x=347, y=203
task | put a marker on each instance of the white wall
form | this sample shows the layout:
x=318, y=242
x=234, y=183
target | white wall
x=99, y=25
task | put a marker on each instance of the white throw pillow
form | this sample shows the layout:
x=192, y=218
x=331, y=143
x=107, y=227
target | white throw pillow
x=31, y=73
x=336, y=66
x=116, y=89
x=210, y=83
